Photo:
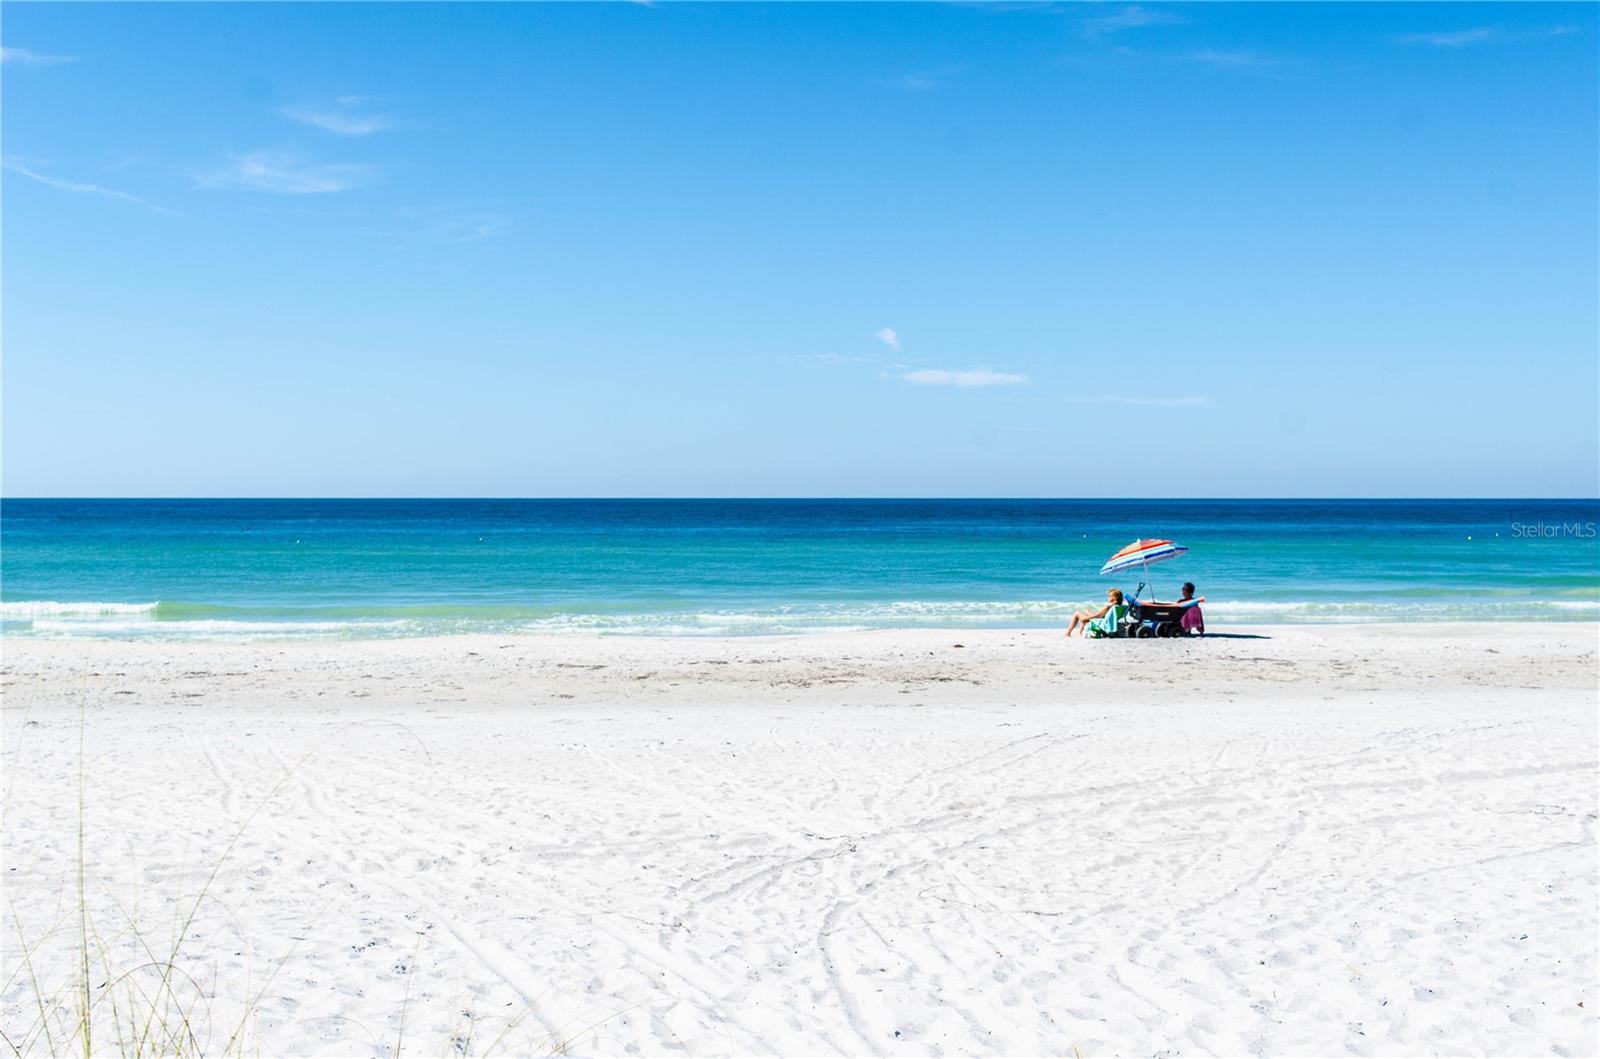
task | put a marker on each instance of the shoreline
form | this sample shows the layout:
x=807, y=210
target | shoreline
x=1294, y=632
x=239, y=634
x=1030, y=663
x=48, y=618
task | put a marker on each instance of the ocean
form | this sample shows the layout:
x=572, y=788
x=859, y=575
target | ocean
x=379, y=568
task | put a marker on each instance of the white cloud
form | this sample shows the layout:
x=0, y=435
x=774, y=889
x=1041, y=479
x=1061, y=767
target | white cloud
x=338, y=122
x=1461, y=38
x=287, y=173
x=912, y=82
x=1150, y=402
x=24, y=57
x=1011, y=6
x=924, y=80
x=27, y=169
x=1455, y=39
x=465, y=221
x=888, y=338
x=831, y=358
x=1238, y=58
x=1131, y=17
x=971, y=377
x=471, y=227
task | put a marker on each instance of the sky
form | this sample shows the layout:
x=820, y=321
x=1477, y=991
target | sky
x=680, y=249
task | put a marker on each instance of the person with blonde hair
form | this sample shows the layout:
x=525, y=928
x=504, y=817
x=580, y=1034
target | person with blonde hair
x=1102, y=622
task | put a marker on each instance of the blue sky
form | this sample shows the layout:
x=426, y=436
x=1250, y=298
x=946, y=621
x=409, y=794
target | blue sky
x=906, y=249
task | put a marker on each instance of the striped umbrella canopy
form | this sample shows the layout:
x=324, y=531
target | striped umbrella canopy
x=1142, y=553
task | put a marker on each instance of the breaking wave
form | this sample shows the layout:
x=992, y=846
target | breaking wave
x=30, y=610
x=208, y=621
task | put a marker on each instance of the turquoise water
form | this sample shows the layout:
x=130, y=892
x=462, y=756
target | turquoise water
x=342, y=568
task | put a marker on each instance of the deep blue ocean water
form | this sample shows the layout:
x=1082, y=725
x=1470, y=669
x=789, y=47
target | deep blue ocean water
x=412, y=567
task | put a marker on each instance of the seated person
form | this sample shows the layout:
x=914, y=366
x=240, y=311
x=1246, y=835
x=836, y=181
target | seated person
x=1104, y=621
x=1192, y=621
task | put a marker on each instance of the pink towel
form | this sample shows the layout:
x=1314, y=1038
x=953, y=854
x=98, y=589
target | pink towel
x=1193, y=620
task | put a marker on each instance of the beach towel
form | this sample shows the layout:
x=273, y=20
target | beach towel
x=1108, y=623
x=1193, y=620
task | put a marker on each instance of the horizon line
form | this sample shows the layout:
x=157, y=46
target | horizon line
x=799, y=498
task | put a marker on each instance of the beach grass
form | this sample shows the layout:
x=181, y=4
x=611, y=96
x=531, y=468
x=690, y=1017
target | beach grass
x=150, y=1004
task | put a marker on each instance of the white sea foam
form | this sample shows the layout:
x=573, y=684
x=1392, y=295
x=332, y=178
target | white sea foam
x=220, y=627
x=27, y=610
x=1034, y=614
x=1399, y=610
x=140, y=620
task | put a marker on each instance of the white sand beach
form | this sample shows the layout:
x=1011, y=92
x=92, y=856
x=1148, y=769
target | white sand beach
x=1364, y=840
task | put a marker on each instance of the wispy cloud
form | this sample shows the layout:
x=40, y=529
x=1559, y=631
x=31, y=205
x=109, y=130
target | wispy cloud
x=1237, y=59
x=1241, y=59
x=1131, y=17
x=118, y=160
x=923, y=80
x=1148, y=402
x=471, y=227
x=343, y=120
x=287, y=173
x=1006, y=7
x=1452, y=39
x=466, y=221
x=1461, y=38
x=24, y=57
x=912, y=82
x=888, y=338
x=970, y=377
x=832, y=358
x=29, y=170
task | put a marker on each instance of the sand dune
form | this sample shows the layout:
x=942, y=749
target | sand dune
x=1349, y=840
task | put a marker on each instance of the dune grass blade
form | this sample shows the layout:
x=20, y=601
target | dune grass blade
x=157, y=1007
x=83, y=906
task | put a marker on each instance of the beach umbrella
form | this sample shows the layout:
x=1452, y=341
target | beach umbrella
x=1143, y=552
